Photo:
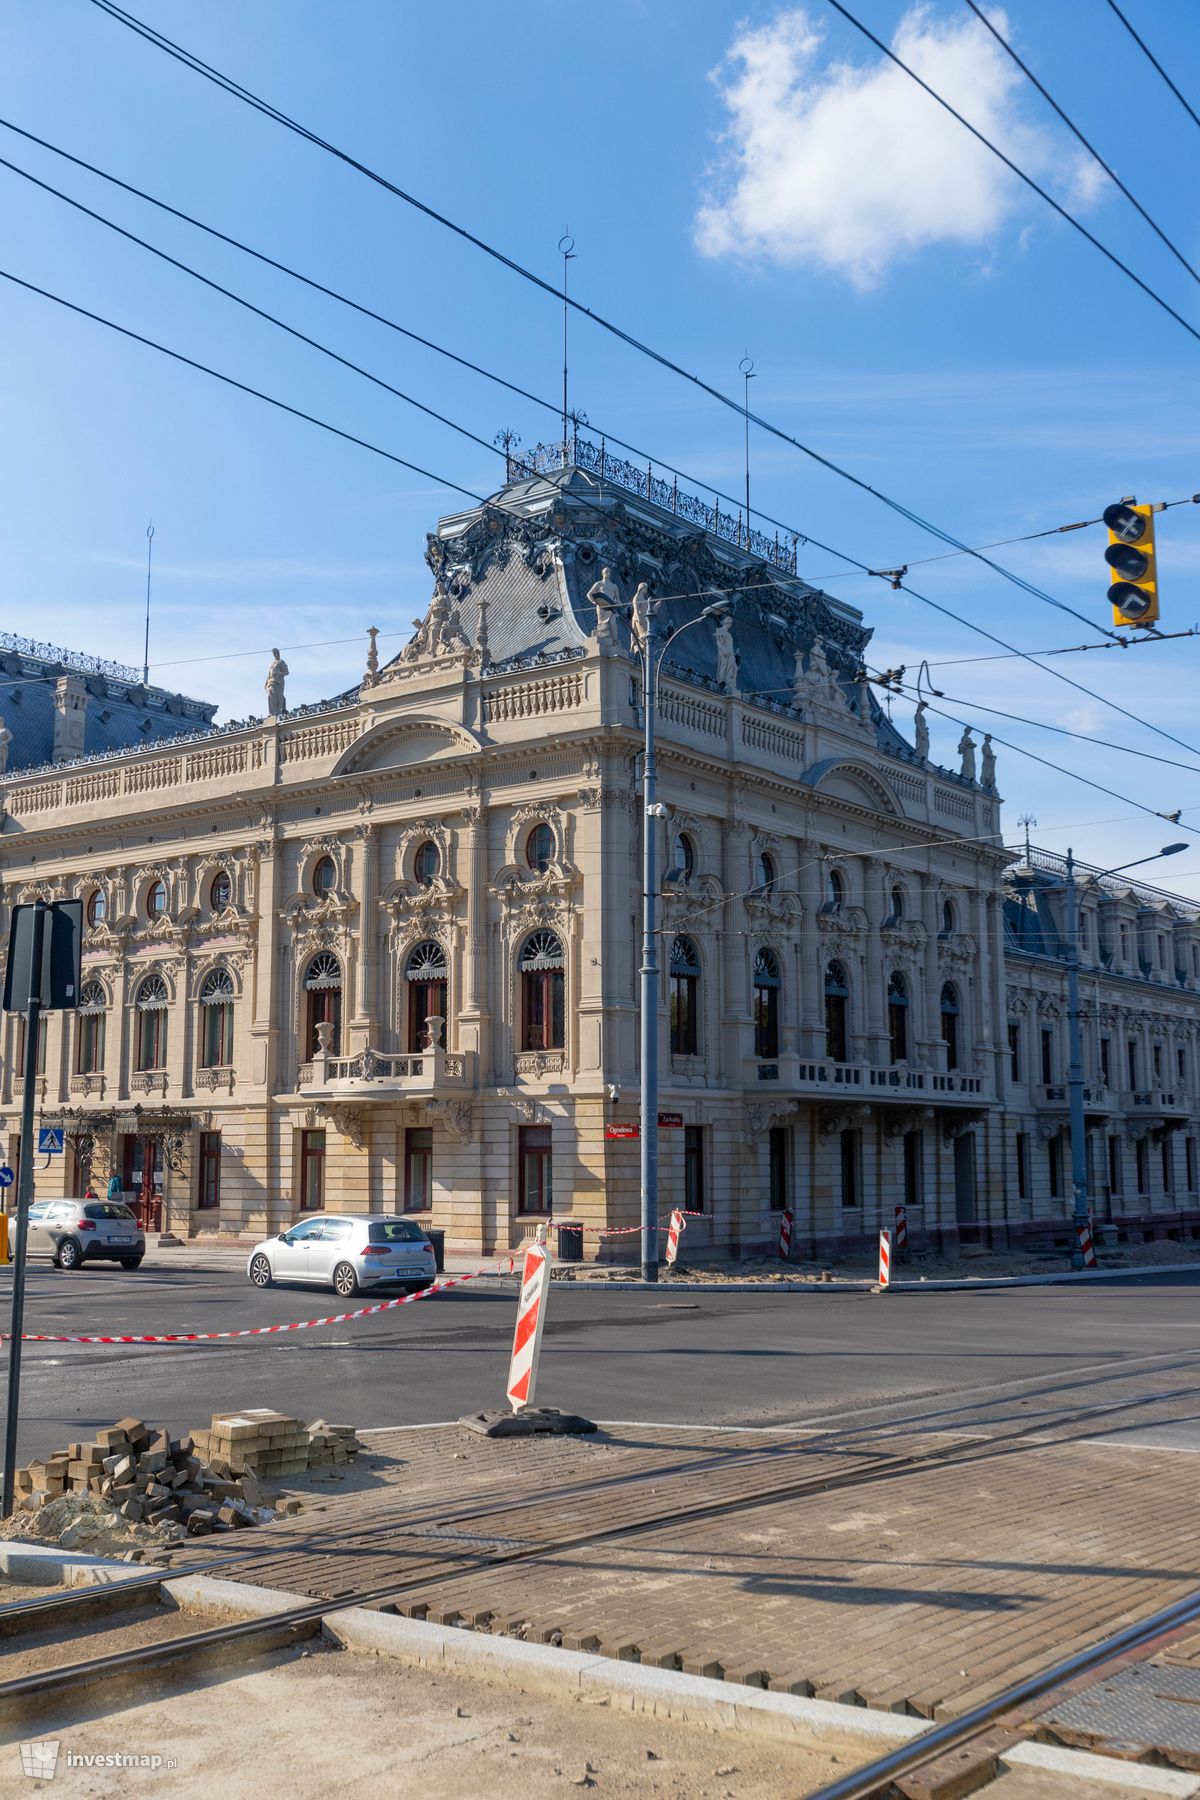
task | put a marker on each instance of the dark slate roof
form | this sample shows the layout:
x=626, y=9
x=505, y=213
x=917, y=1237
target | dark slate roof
x=122, y=713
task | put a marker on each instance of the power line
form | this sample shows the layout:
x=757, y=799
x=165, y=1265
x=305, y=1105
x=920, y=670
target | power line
x=1037, y=188
x=1075, y=131
x=242, y=386
x=1150, y=56
x=226, y=83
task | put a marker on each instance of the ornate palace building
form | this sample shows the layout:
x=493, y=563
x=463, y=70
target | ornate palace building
x=382, y=952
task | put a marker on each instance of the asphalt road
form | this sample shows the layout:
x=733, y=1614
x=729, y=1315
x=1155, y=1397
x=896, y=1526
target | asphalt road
x=689, y=1358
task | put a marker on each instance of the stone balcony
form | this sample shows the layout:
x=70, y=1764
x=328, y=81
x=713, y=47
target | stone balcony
x=862, y=1081
x=1055, y=1096
x=381, y=1075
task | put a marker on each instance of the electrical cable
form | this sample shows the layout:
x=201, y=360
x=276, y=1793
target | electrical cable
x=1062, y=211
x=1075, y=131
x=1150, y=56
x=226, y=83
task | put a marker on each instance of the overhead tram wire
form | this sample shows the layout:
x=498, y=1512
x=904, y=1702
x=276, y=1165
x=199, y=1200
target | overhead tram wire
x=1151, y=58
x=1075, y=131
x=1063, y=213
x=524, y=393
x=235, y=89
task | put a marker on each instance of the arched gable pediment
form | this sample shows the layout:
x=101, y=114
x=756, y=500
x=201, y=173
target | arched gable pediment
x=842, y=778
x=406, y=743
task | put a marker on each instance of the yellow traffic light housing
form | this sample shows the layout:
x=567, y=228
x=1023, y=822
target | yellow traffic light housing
x=1130, y=556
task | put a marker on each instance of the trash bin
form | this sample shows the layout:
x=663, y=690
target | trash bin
x=438, y=1240
x=570, y=1243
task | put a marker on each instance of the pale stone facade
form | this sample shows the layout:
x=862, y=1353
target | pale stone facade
x=382, y=953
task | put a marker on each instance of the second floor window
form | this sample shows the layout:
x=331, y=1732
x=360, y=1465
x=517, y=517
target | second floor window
x=539, y=848
x=684, y=999
x=837, y=1002
x=220, y=894
x=426, y=864
x=156, y=900
x=151, y=1003
x=324, y=875
x=897, y=1004
x=766, y=1004
x=950, y=1024
x=542, y=974
x=216, y=1008
x=1047, y=1056
x=97, y=907
x=93, y=1004
x=1014, y=1049
x=323, y=1003
x=766, y=873
x=425, y=977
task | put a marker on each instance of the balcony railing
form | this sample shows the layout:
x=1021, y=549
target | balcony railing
x=898, y=1081
x=376, y=1074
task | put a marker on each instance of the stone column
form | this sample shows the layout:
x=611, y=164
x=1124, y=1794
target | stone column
x=811, y=1009
x=734, y=1018
x=473, y=1016
x=262, y=987
x=877, y=1046
x=364, y=1019
x=935, y=1050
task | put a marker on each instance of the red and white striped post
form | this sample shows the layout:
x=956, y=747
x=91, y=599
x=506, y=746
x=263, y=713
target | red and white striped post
x=1086, y=1246
x=531, y=1318
x=677, y=1224
x=785, y=1235
x=901, y=1230
x=885, y=1259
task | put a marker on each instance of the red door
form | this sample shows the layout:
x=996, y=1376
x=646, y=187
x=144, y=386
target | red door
x=143, y=1180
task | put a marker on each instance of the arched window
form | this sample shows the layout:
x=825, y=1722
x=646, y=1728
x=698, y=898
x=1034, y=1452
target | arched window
x=541, y=968
x=950, y=1024
x=216, y=998
x=324, y=875
x=897, y=1010
x=949, y=920
x=93, y=1004
x=323, y=990
x=156, y=900
x=425, y=974
x=684, y=1011
x=539, y=848
x=766, y=873
x=835, y=890
x=97, y=907
x=426, y=863
x=152, y=1002
x=220, y=893
x=897, y=905
x=837, y=999
x=766, y=1004
x=683, y=863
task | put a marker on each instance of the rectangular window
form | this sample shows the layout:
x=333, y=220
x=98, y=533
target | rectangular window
x=684, y=1022
x=1014, y=1049
x=535, y=1172
x=1189, y=1146
x=1168, y=1163
x=850, y=1182
x=418, y=1168
x=693, y=1168
x=208, y=1166
x=90, y=1059
x=1047, y=1056
x=312, y=1171
x=1115, y=1165
x=1132, y=1061
x=1143, y=1167
x=217, y=1048
x=778, y=1153
x=22, y=1022
x=1106, y=1061
x=1181, y=1066
x=1156, y=1062
x=1054, y=1166
x=1023, y=1165
x=152, y=1038
x=914, y=1159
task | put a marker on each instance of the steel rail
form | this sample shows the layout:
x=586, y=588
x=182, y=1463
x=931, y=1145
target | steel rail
x=876, y=1778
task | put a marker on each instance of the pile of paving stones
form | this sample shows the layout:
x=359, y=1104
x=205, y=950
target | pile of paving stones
x=135, y=1475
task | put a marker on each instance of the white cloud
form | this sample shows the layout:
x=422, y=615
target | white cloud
x=854, y=167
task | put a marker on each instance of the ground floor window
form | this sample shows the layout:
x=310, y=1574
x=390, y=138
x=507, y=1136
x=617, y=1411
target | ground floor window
x=208, y=1184
x=535, y=1170
x=851, y=1182
x=1115, y=1180
x=914, y=1158
x=1143, y=1167
x=693, y=1168
x=1054, y=1166
x=1168, y=1163
x=1189, y=1145
x=312, y=1171
x=418, y=1168
x=1022, y=1165
x=779, y=1167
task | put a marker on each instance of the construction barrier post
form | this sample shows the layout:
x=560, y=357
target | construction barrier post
x=677, y=1224
x=531, y=1319
x=4, y=1255
x=901, y=1231
x=785, y=1235
x=885, y=1259
x=1087, y=1248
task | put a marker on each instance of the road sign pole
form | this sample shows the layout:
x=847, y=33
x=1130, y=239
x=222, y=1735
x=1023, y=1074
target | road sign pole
x=24, y=1196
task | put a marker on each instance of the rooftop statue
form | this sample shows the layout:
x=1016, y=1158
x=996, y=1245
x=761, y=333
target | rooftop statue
x=276, y=676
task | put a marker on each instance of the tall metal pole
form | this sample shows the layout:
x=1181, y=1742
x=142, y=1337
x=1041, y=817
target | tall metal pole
x=1075, y=1069
x=649, y=970
x=33, y=1019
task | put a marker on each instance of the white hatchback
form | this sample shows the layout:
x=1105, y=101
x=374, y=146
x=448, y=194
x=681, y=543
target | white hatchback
x=347, y=1253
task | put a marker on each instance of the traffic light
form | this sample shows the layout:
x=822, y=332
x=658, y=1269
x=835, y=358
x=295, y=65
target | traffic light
x=1130, y=556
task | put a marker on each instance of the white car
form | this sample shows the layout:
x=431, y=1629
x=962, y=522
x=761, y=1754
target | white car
x=347, y=1253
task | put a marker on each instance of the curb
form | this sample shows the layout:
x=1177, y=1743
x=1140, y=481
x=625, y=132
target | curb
x=961, y=1284
x=28, y=1564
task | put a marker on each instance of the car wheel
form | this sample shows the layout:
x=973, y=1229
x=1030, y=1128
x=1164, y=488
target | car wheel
x=69, y=1254
x=345, y=1281
x=260, y=1272
x=131, y=1262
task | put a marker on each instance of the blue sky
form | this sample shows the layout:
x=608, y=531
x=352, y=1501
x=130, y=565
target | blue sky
x=736, y=179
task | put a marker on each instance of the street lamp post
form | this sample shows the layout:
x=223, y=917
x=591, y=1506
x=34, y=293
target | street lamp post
x=1078, y=1128
x=652, y=811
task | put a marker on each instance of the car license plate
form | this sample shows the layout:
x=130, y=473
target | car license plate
x=122, y=1240
x=407, y=1269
